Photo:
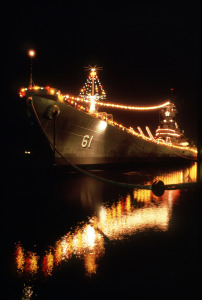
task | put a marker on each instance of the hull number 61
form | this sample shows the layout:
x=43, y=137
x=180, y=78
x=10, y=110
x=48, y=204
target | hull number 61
x=87, y=140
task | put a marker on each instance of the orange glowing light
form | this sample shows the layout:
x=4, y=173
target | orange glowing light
x=19, y=258
x=90, y=263
x=52, y=91
x=31, y=53
x=134, y=107
x=58, y=253
x=93, y=73
x=31, y=263
x=48, y=263
x=36, y=87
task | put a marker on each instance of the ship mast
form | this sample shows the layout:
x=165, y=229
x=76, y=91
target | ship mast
x=31, y=54
x=93, y=73
x=92, y=97
x=168, y=129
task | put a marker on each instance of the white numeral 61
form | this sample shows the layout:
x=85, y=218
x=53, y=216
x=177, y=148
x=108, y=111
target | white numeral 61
x=86, y=141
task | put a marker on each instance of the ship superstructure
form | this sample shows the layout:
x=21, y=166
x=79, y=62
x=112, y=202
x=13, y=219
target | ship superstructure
x=168, y=130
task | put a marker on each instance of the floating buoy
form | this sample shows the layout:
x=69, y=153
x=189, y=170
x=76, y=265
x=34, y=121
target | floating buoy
x=158, y=188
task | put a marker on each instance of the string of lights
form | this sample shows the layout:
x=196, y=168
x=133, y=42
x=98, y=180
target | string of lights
x=93, y=86
x=133, y=107
x=86, y=100
x=119, y=106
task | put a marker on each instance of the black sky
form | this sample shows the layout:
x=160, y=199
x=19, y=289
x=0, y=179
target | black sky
x=144, y=47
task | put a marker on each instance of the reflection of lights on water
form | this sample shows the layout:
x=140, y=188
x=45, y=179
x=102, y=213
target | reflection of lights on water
x=28, y=262
x=67, y=247
x=77, y=242
x=47, y=263
x=115, y=221
x=175, y=177
x=27, y=292
x=31, y=263
x=58, y=253
x=89, y=236
x=90, y=263
x=143, y=195
x=20, y=258
x=191, y=173
x=102, y=214
x=116, y=224
x=128, y=202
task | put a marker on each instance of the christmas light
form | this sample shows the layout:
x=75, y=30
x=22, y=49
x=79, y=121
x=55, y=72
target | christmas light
x=167, y=133
x=149, y=132
x=141, y=132
x=134, y=107
x=92, y=89
x=165, y=129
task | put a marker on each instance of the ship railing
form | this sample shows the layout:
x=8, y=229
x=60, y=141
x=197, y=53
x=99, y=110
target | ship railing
x=37, y=90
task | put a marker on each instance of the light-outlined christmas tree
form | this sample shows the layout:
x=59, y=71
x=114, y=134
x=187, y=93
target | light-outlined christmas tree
x=93, y=89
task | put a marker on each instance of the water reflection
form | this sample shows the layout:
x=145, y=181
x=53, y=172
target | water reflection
x=126, y=218
x=136, y=211
x=27, y=292
x=179, y=176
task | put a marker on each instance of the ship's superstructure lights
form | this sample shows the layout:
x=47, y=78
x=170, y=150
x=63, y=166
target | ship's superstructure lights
x=91, y=236
x=169, y=130
x=141, y=132
x=92, y=103
x=149, y=132
x=184, y=144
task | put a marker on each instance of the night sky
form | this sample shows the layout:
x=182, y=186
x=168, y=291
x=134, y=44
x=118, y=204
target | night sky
x=144, y=47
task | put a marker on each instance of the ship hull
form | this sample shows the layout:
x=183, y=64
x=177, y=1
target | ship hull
x=81, y=139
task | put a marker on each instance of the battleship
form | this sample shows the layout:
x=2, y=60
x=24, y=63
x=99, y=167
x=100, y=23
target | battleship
x=80, y=134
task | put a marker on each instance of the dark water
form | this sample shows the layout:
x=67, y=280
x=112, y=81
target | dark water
x=68, y=236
